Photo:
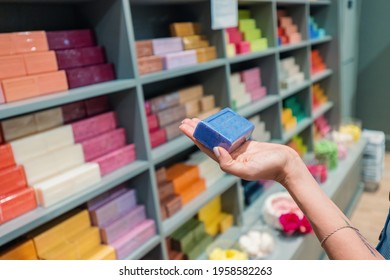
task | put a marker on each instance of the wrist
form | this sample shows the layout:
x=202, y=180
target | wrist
x=293, y=170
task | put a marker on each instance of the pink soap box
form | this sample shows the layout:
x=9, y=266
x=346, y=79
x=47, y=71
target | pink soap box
x=116, y=159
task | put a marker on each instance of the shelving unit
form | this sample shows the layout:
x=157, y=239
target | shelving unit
x=118, y=24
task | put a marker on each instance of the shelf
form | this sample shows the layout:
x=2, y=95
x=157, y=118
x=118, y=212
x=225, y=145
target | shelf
x=288, y=92
x=56, y=99
x=322, y=109
x=321, y=40
x=171, y=148
x=301, y=126
x=320, y=76
x=258, y=106
x=190, y=209
x=168, y=74
x=290, y=47
x=320, y=2
x=39, y=216
x=253, y=55
x=144, y=249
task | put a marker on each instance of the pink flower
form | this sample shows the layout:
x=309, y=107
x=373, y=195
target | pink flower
x=305, y=226
x=290, y=222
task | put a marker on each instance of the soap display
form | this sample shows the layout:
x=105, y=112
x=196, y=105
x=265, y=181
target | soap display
x=288, y=31
x=258, y=242
x=290, y=74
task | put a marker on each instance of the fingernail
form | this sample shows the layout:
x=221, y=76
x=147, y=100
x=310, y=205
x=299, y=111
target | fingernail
x=216, y=152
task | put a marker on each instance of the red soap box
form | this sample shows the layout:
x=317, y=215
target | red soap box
x=152, y=122
x=12, y=179
x=69, y=39
x=73, y=112
x=90, y=75
x=16, y=203
x=116, y=159
x=91, y=127
x=73, y=58
x=243, y=47
x=158, y=138
x=97, y=105
x=6, y=156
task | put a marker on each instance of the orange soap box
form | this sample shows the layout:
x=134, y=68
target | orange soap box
x=21, y=251
x=182, y=176
x=6, y=157
x=35, y=85
x=23, y=42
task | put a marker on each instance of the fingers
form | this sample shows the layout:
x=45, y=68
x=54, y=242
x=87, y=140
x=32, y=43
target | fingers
x=228, y=164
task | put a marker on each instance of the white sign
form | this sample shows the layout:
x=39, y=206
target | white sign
x=224, y=13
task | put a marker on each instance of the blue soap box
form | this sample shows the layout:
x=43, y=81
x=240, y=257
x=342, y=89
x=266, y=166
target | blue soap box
x=225, y=129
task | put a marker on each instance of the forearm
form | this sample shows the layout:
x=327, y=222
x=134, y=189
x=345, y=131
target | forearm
x=324, y=216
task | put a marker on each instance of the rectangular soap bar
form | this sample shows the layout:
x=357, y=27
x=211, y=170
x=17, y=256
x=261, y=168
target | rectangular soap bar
x=173, y=204
x=123, y=225
x=150, y=64
x=165, y=190
x=69, y=39
x=135, y=238
x=12, y=66
x=97, y=105
x=69, y=183
x=161, y=176
x=7, y=157
x=210, y=210
x=94, y=126
x=144, y=48
x=40, y=62
x=114, y=209
x=171, y=115
x=192, y=108
x=207, y=103
x=16, y=203
x=152, y=121
x=18, y=127
x=182, y=29
x=116, y=159
x=164, y=101
x=48, y=119
x=172, y=130
x=104, y=198
x=78, y=57
x=102, y=252
x=167, y=45
x=30, y=41
x=31, y=86
x=182, y=175
x=193, y=190
x=21, y=251
x=179, y=59
x=73, y=112
x=12, y=179
x=6, y=44
x=88, y=75
x=226, y=129
x=61, y=230
x=52, y=163
x=158, y=137
x=103, y=144
x=41, y=143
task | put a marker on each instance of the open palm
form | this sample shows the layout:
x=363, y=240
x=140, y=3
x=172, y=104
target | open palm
x=251, y=161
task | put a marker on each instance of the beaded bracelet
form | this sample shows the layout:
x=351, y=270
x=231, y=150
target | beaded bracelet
x=340, y=228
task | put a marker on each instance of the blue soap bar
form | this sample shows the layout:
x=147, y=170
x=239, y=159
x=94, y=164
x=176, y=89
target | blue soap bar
x=226, y=129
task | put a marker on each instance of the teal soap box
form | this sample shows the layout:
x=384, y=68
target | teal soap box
x=225, y=129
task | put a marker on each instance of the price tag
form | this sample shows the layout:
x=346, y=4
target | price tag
x=224, y=13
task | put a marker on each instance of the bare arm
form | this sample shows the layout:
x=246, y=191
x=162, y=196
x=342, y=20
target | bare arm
x=255, y=160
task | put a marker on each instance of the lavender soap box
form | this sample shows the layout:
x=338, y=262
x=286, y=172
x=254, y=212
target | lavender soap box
x=226, y=129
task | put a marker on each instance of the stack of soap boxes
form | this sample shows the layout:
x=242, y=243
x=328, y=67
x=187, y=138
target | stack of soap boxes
x=291, y=74
x=123, y=224
x=246, y=37
x=71, y=238
x=16, y=197
x=288, y=32
x=187, y=47
x=165, y=113
x=317, y=63
x=27, y=67
x=260, y=133
x=23, y=250
x=186, y=181
x=246, y=86
x=189, y=32
x=321, y=127
x=318, y=96
x=314, y=31
x=61, y=156
x=83, y=61
x=298, y=145
x=292, y=113
x=38, y=63
x=170, y=202
x=190, y=240
x=215, y=221
x=326, y=152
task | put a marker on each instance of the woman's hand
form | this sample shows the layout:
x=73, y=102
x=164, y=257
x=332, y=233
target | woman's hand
x=252, y=160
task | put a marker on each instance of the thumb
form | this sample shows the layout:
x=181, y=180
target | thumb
x=226, y=162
